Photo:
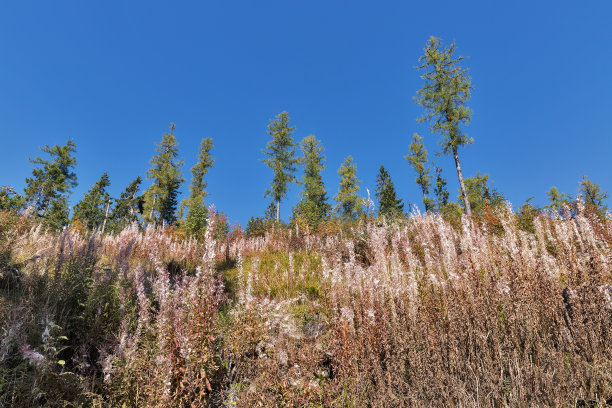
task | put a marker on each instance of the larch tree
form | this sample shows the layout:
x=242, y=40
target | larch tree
x=48, y=188
x=92, y=210
x=388, y=203
x=350, y=206
x=593, y=195
x=127, y=207
x=418, y=161
x=444, y=96
x=480, y=193
x=557, y=200
x=281, y=158
x=313, y=206
x=161, y=197
x=197, y=213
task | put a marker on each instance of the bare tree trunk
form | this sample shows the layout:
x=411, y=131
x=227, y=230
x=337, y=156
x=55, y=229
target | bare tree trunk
x=105, y=216
x=466, y=200
x=277, y=210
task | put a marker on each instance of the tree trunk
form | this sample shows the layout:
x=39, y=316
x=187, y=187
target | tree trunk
x=277, y=210
x=105, y=216
x=466, y=201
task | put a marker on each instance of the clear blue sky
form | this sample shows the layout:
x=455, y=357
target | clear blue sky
x=112, y=75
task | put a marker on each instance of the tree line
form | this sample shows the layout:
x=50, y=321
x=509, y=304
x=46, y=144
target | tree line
x=443, y=97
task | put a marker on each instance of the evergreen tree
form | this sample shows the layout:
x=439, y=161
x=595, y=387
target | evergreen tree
x=10, y=200
x=313, y=206
x=479, y=193
x=48, y=188
x=127, y=207
x=440, y=191
x=197, y=213
x=418, y=161
x=93, y=207
x=593, y=196
x=161, y=197
x=557, y=200
x=350, y=205
x=281, y=158
x=444, y=95
x=388, y=203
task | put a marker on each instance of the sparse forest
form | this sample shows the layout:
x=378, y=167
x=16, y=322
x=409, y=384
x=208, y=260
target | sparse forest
x=359, y=299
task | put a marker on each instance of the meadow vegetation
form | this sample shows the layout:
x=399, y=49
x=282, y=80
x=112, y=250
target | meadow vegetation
x=504, y=310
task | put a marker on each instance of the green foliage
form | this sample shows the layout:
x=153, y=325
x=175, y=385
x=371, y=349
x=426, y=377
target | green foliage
x=50, y=184
x=593, y=196
x=281, y=158
x=444, y=96
x=91, y=210
x=127, y=207
x=313, y=206
x=161, y=197
x=388, y=203
x=526, y=216
x=480, y=193
x=350, y=205
x=557, y=200
x=10, y=200
x=418, y=161
x=197, y=213
x=440, y=191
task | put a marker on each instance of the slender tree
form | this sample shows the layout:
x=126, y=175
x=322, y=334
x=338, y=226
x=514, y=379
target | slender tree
x=557, y=200
x=440, y=191
x=127, y=207
x=388, y=203
x=92, y=209
x=350, y=205
x=197, y=213
x=313, y=206
x=418, y=161
x=161, y=197
x=281, y=158
x=444, y=96
x=593, y=196
x=48, y=188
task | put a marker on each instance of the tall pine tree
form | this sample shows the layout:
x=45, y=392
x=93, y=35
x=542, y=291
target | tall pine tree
x=197, y=213
x=281, y=158
x=444, y=96
x=93, y=208
x=313, y=206
x=350, y=205
x=48, y=188
x=388, y=203
x=557, y=200
x=161, y=197
x=127, y=207
x=418, y=161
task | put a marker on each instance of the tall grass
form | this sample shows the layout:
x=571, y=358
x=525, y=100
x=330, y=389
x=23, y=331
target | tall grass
x=505, y=310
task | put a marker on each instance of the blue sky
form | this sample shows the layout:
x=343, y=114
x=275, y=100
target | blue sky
x=113, y=75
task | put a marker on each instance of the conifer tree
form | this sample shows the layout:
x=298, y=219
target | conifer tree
x=197, y=213
x=593, y=196
x=161, y=197
x=127, y=207
x=440, y=191
x=418, y=161
x=444, y=96
x=388, y=203
x=349, y=205
x=48, y=188
x=92, y=209
x=10, y=200
x=313, y=206
x=557, y=200
x=281, y=158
